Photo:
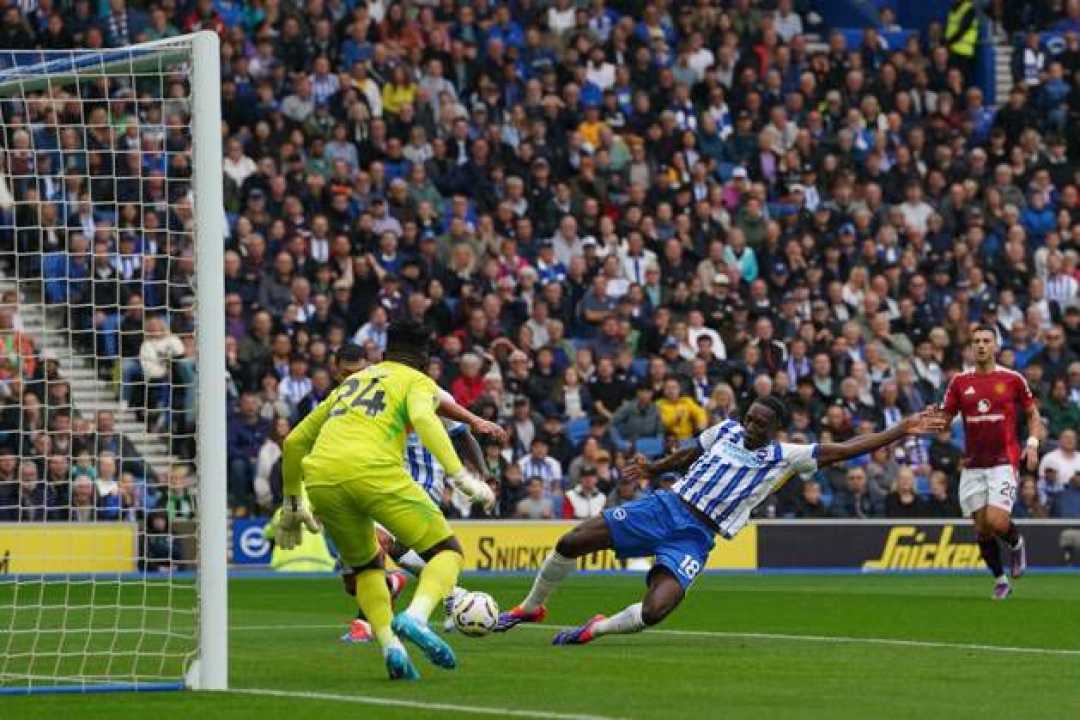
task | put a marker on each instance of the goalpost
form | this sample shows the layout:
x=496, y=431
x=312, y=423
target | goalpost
x=112, y=369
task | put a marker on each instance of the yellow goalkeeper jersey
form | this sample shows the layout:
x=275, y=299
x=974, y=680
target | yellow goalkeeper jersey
x=360, y=429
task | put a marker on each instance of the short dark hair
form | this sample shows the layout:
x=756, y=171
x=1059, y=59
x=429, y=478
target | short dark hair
x=408, y=337
x=350, y=352
x=777, y=406
x=983, y=327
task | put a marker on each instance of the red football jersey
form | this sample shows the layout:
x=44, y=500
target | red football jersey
x=987, y=402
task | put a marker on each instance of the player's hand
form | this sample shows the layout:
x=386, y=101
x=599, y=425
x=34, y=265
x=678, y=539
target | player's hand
x=928, y=421
x=486, y=427
x=473, y=488
x=295, y=516
x=638, y=469
x=1031, y=457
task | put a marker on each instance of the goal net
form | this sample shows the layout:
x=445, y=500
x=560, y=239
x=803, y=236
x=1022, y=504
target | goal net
x=112, y=380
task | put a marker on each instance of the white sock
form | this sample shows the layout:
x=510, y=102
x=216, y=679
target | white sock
x=1003, y=579
x=393, y=644
x=626, y=621
x=552, y=572
x=412, y=562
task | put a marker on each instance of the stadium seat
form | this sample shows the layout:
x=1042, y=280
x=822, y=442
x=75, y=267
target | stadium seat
x=577, y=429
x=650, y=447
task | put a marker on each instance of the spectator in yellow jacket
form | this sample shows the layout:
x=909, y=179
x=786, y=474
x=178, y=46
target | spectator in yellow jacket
x=680, y=414
x=399, y=92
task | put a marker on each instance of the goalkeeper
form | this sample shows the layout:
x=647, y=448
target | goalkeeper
x=347, y=453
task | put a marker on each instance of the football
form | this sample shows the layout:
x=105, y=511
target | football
x=475, y=614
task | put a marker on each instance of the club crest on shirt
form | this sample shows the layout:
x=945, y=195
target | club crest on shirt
x=983, y=406
x=999, y=389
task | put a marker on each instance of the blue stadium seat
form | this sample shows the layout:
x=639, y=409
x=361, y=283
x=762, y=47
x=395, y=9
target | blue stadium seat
x=650, y=447
x=577, y=429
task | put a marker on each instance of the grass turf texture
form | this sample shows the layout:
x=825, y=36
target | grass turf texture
x=284, y=638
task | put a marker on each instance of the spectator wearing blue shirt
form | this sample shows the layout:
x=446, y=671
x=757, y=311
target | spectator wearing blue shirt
x=1038, y=218
x=247, y=431
x=1067, y=502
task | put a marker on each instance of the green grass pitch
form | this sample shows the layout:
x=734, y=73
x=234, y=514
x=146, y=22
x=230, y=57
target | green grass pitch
x=741, y=646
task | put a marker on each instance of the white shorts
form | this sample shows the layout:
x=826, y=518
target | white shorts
x=980, y=487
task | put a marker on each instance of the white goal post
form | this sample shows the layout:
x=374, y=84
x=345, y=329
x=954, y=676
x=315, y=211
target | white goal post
x=113, y=517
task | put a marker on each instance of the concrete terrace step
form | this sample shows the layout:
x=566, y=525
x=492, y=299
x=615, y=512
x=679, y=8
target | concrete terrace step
x=88, y=393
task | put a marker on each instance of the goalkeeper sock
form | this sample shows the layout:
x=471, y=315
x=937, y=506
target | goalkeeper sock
x=552, y=572
x=411, y=561
x=374, y=600
x=436, y=582
x=628, y=620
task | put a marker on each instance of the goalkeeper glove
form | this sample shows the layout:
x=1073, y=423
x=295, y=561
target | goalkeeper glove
x=473, y=488
x=294, y=517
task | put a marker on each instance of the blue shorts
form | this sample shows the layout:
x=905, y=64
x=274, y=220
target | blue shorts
x=661, y=524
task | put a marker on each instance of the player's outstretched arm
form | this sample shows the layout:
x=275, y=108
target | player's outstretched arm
x=449, y=408
x=469, y=450
x=927, y=421
x=676, y=461
x=432, y=432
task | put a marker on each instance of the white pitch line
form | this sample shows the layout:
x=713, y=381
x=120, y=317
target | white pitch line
x=837, y=639
x=417, y=705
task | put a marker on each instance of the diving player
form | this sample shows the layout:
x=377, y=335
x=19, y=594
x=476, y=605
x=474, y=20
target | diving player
x=732, y=468
x=347, y=454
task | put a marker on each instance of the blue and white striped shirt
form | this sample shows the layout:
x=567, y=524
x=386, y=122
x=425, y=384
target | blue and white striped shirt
x=729, y=480
x=422, y=465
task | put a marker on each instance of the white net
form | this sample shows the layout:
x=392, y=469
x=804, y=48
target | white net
x=97, y=375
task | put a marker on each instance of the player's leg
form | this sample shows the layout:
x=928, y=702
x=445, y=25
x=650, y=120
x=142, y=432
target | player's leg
x=408, y=513
x=359, y=631
x=990, y=550
x=406, y=557
x=353, y=533
x=664, y=595
x=974, y=494
x=682, y=548
x=411, y=561
x=590, y=536
x=998, y=517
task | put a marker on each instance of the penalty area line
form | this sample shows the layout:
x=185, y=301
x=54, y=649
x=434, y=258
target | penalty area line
x=417, y=705
x=734, y=635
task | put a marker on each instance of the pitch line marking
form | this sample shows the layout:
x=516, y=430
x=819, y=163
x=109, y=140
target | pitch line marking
x=415, y=704
x=837, y=639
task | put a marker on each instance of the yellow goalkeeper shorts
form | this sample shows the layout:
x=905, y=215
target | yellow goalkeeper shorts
x=350, y=510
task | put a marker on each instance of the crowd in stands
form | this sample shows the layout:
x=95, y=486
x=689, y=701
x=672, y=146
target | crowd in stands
x=622, y=220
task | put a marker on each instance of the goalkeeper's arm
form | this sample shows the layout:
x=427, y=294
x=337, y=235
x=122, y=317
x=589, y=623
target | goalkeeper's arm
x=294, y=513
x=299, y=442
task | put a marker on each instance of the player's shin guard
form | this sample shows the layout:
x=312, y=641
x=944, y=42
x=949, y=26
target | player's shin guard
x=554, y=570
x=374, y=599
x=436, y=582
x=626, y=621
